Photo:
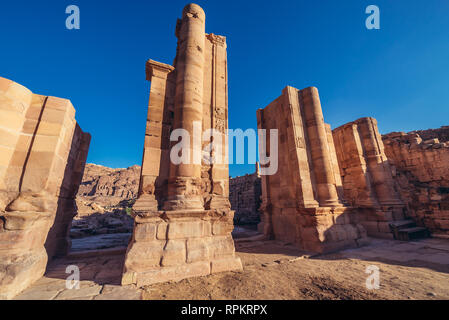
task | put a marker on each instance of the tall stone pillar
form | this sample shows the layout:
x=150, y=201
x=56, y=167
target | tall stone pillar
x=154, y=150
x=377, y=162
x=215, y=116
x=190, y=234
x=319, y=149
x=185, y=179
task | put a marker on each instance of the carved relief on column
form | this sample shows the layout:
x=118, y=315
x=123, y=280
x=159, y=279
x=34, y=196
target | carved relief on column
x=219, y=108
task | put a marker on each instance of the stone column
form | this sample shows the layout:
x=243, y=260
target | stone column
x=218, y=91
x=319, y=149
x=377, y=162
x=156, y=73
x=184, y=184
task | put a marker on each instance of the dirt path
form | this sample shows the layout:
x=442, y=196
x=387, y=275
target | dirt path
x=272, y=271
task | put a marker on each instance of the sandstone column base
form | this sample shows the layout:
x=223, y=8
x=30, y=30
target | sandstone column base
x=180, y=244
x=321, y=230
x=325, y=229
x=377, y=220
x=145, y=203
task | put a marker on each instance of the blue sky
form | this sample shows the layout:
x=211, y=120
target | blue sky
x=398, y=74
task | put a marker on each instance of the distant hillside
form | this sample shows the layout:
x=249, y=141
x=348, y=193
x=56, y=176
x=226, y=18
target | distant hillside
x=107, y=182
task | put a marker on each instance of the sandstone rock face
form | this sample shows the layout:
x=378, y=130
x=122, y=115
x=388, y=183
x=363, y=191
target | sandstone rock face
x=108, y=182
x=184, y=221
x=42, y=156
x=421, y=170
x=442, y=134
x=368, y=183
x=104, y=200
x=302, y=202
x=245, y=196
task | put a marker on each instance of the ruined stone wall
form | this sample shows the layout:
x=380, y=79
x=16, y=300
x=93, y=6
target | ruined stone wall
x=43, y=152
x=368, y=183
x=302, y=202
x=245, y=197
x=421, y=169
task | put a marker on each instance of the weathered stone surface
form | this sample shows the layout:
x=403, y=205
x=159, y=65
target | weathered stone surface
x=245, y=196
x=368, y=183
x=42, y=158
x=302, y=202
x=421, y=171
x=82, y=293
x=196, y=222
x=100, y=181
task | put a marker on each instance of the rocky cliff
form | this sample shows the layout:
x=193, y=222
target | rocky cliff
x=420, y=160
x=104, y=181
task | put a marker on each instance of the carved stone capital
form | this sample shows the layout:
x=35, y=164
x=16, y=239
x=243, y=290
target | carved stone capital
x=158, y=69
x=216, y=39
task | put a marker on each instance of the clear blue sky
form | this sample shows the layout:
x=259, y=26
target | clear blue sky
x=398, y=74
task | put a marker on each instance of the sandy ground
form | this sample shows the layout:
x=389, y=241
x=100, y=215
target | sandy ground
x=272, y=270
x=417, y=270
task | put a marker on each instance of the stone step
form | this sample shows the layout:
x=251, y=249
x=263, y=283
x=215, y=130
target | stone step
x=402, y=224
x=413, y=233
x=395, y=226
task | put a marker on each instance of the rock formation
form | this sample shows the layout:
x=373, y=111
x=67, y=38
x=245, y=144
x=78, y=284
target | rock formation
x=42, y=157
x=104, y=200
x=109, y=182
x=421, y=170
x=302, y=202
x=183, y=218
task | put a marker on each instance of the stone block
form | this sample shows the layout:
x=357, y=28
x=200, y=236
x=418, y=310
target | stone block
x=185, y=229
x=175, y=273
x=230, y=264
x=145, y=232
x=221, y=228
x=174, y=253
x=198, y=250
x=144, y=255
